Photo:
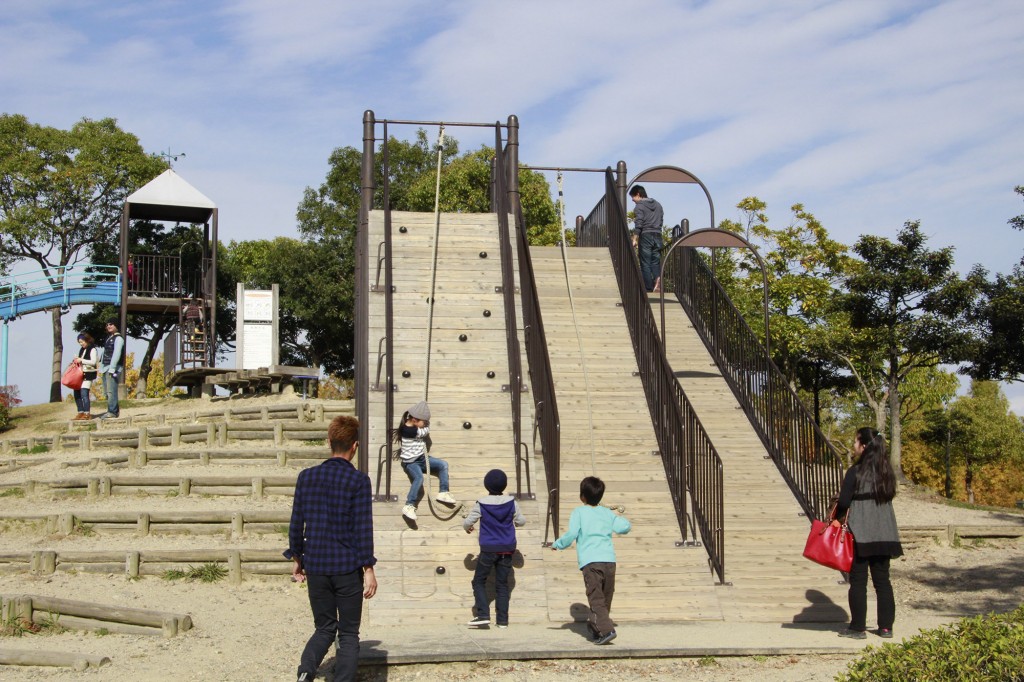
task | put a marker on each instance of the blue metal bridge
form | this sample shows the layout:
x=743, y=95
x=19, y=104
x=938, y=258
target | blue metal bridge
x=59, y=287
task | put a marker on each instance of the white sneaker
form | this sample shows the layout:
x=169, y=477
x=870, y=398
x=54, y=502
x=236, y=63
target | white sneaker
x=446, y=498
x=409, y=512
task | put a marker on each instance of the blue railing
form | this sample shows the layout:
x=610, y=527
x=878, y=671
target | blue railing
x=59, y=287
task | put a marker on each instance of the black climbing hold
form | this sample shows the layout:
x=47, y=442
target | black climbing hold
x=403, y=229
x=439, y=570
x=463, y=337
x=490, y=375
x=483, y=254
x=467, y=425
x=428, y=299
x=406, y=374
x=487, y=313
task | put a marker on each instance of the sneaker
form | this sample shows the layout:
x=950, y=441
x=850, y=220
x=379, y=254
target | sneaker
x=606, y=638
x=854, y=634
x=503, y=626
x=409, y=512
x=479, y=620
x=305, y=677
x=446, y=498
x=885, y=633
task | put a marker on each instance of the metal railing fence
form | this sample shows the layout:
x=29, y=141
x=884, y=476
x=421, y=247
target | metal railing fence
x=808, y=462
x=692, y=465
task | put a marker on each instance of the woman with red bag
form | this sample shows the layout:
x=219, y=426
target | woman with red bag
x=89, y=359
x=867, y=492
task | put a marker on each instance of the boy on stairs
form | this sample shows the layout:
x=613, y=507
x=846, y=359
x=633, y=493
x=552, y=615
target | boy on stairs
x=591, y=527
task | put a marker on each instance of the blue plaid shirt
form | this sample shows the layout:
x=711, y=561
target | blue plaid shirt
x=331, y=530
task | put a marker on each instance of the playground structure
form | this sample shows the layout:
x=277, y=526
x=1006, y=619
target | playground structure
x=551, y=363
x=165, y=285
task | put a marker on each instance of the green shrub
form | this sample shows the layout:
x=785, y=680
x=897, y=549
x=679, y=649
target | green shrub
x=981, y=649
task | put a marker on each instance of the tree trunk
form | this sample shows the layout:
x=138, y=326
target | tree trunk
x=58, y=355
x=968, y=482
x=159, y=330
x=896, y=439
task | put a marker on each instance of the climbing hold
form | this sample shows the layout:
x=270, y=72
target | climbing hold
x=439, y=570
x=428, y=300
x=483, y=254
x=406, y=374
x=463, y=337
x=403, y=229
x=490, y=375
x=467, y=425
x=487, y=313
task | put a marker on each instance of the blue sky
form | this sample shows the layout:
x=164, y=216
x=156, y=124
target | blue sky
x=870, y=113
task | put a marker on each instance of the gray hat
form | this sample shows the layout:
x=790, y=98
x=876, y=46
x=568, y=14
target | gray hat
x=420, y=411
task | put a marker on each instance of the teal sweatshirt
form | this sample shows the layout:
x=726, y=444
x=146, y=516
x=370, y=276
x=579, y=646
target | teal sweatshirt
x=591, y=529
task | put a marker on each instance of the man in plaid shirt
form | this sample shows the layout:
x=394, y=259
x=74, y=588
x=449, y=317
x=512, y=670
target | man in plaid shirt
x=331, y=541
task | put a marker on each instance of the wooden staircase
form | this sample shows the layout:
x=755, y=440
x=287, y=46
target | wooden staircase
x=765, y=529
x=607, y=432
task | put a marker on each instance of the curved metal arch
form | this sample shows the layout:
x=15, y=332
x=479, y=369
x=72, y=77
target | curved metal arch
x=715, y=238
x=674, y=174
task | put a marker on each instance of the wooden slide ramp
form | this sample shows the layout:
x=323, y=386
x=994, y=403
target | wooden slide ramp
x=655, y=578
x=765, y=530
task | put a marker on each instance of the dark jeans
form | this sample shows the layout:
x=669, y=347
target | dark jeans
x=337, y=603
x=879, y=568
x=502, y=564
x=599, y=581
x=82, y=400
x=649, y=250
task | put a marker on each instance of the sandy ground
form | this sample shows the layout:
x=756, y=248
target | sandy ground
x=255, y=631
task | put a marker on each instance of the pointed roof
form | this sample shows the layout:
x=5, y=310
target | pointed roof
x=169, y=197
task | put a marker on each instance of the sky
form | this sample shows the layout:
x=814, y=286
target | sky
x=869, y=113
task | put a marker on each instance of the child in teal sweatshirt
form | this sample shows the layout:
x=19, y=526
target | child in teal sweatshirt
x=591, y=527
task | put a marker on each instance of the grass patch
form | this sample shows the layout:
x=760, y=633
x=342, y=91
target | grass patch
x=36, y=449
x=707, y=662
x=211, y=572
x=17, y=626
x=83, y=530
x=12, y=492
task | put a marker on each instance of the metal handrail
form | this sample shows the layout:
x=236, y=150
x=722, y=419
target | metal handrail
x=500, y=205
x=58, y=278
x=692, y=464
x=809, y=464
x=542, y=383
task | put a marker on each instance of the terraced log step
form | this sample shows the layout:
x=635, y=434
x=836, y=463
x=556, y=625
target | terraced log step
x=219, y=434
x=81, y=615
x=141, y=524
x=142, y=458
x=103, y=486
x=135, y=564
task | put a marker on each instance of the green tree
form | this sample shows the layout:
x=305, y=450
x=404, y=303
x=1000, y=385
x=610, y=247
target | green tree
x=982, y=431
x=911, y=309
x=62, y=191
x=1000, y=316
x=316, y=296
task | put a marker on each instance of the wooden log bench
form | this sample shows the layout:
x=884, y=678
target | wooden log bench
x=52, y=659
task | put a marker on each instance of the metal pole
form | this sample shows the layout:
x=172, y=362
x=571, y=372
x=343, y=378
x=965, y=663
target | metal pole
x=362, y=314
x=3, y=353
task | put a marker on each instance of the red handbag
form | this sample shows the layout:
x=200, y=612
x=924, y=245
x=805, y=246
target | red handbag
x=830, y=546
x=73, y=376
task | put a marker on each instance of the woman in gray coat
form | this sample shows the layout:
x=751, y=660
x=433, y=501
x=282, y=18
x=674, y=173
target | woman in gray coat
x=867, y=492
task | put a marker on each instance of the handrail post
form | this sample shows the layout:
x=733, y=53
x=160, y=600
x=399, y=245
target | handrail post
x=362, y=305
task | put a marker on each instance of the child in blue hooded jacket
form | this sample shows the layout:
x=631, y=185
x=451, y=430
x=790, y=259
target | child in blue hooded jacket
x=499, y=515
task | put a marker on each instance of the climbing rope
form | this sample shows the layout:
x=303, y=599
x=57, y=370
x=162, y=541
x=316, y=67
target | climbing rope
x=575, y=323
x=430, y=317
